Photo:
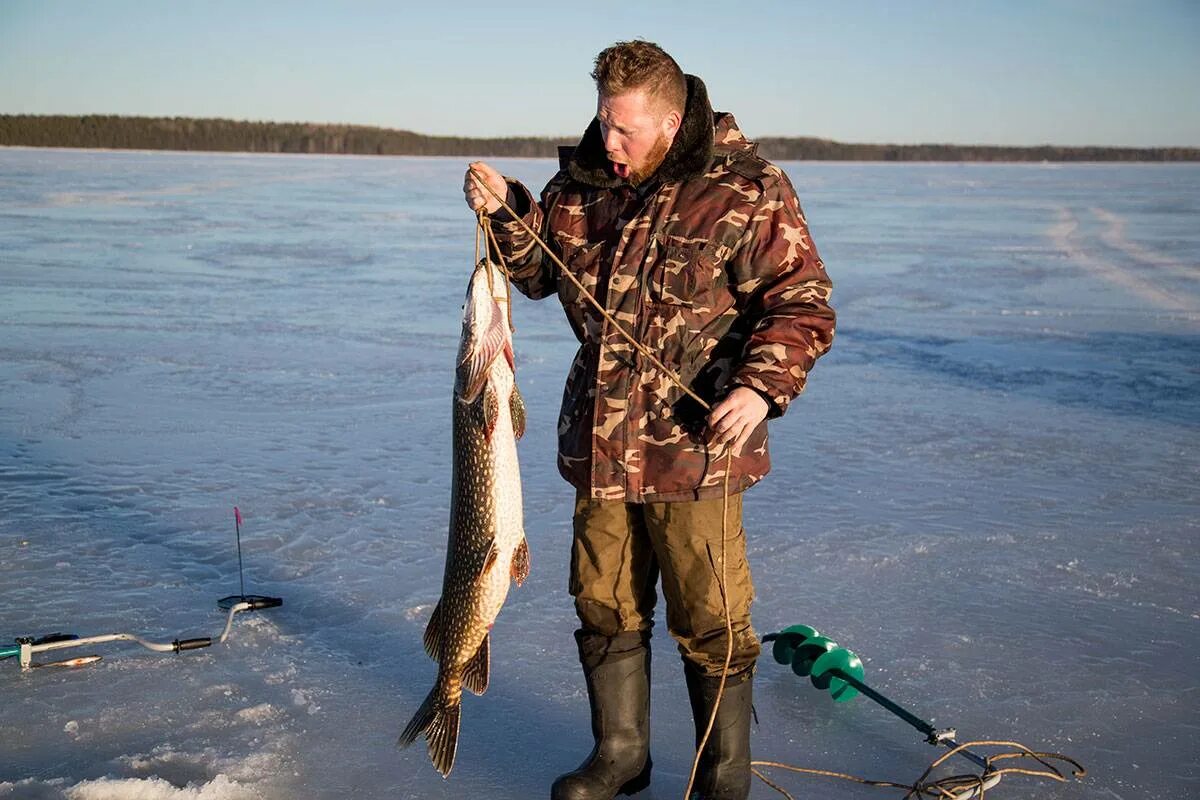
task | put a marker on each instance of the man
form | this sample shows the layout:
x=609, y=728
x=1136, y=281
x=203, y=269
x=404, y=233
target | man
x=698, y=248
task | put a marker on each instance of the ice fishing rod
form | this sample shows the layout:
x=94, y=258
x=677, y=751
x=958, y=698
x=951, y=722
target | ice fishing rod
x=26, y=647
x=839, y=671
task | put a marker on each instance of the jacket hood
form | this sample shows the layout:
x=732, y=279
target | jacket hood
x=702, y=134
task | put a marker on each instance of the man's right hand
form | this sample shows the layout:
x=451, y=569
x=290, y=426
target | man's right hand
x=478, y=197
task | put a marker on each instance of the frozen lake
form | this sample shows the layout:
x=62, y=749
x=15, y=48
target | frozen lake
x=989, y=490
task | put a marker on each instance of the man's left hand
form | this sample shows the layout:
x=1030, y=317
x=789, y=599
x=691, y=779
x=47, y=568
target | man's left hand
x=735, y=418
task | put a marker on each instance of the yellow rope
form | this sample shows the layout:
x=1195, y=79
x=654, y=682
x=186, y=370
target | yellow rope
x=952, y=786
x=495, y=248
x=712, y=719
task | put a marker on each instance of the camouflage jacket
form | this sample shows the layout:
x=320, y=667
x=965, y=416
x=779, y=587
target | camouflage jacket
x=711, y=266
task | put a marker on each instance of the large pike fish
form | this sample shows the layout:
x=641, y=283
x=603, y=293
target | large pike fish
x=487, y=547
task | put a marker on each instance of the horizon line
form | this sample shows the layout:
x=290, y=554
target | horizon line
x=576, y=137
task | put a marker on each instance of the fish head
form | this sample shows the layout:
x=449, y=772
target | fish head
x=487, y=289
x=486, y=332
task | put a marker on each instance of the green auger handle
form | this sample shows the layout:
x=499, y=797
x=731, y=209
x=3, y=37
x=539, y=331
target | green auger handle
x=818, y=658
x=787, y=640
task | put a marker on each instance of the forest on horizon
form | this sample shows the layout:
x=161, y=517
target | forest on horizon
x=224, y=135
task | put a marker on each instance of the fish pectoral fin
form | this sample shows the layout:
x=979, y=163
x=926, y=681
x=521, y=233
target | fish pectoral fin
x=475, y=674
x=516, y=406
x=520, y=562
x=489, y=560
x=433, y=632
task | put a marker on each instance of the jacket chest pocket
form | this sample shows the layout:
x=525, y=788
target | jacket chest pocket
x=583, y=262
x=683, y=274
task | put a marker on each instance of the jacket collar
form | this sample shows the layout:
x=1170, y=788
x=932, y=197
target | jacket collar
x=689, y=156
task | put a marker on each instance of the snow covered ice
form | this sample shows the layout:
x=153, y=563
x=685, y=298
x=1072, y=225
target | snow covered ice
x=988, y=490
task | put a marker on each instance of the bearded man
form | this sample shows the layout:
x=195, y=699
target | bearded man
x=697, y=248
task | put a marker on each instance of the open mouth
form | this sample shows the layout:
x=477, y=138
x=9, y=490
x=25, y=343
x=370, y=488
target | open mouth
x=621, y=170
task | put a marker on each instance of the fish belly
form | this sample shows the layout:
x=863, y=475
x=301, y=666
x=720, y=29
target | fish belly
x=489, y=509
x=505, y=499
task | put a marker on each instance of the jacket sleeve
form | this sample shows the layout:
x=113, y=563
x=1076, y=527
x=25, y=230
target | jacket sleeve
x=781, y=283
x=531, y=271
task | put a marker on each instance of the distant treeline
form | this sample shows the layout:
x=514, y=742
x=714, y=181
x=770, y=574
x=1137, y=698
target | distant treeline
x=184, y=133
x=807, y=149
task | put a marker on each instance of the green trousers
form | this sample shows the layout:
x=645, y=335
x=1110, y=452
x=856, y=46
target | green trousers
x=620, y=551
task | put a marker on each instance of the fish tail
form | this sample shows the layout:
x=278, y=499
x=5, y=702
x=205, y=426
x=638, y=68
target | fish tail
x=438, y=719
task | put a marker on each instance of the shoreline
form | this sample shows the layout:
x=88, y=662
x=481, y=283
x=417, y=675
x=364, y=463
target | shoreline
x=1044, y=164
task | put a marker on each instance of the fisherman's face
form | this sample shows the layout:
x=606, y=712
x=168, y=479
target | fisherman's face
x=637, y=133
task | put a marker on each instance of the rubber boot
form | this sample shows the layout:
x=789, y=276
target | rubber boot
x=617, y=671
x=724, y=771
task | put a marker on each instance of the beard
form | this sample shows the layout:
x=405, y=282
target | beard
x=653, y=160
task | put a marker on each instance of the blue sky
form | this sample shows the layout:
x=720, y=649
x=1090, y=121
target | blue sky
x=1069, y=72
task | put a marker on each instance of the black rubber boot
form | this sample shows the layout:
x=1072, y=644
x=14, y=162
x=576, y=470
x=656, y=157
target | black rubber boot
x=724, y=772
x=617, y=671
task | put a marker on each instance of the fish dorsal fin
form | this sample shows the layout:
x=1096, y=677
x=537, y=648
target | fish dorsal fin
x=477, y=362
x=475, y=674
x=433, y=632
x=516, y=407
